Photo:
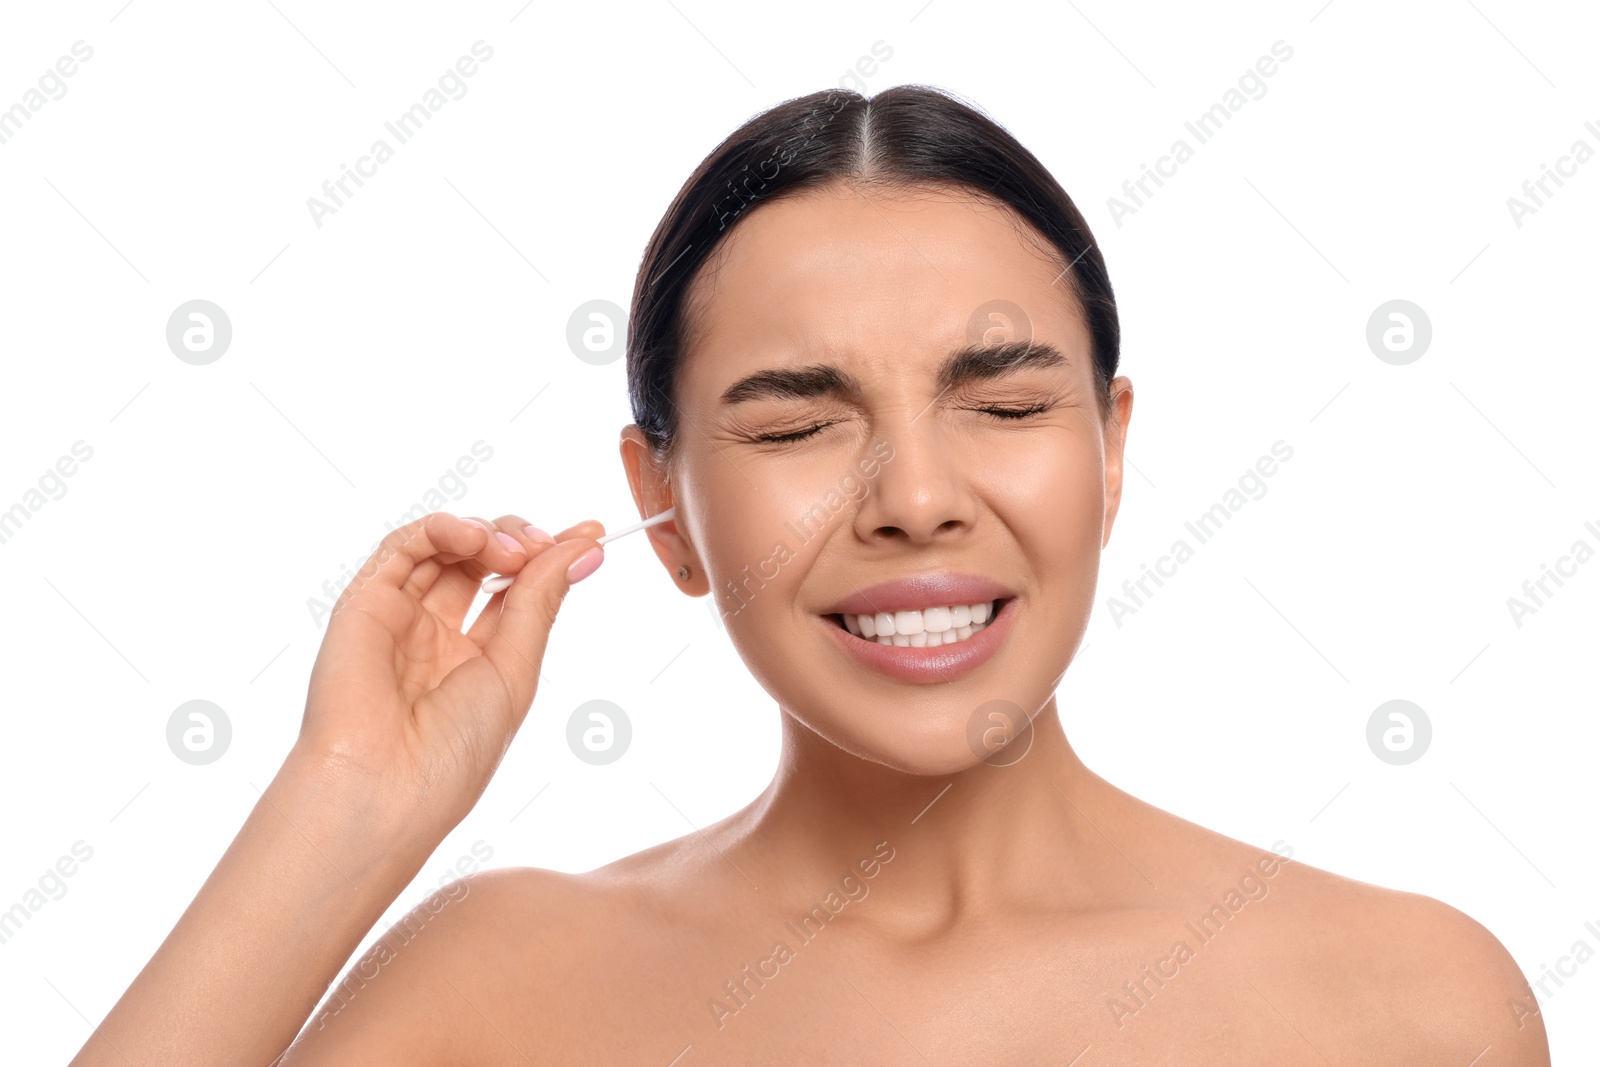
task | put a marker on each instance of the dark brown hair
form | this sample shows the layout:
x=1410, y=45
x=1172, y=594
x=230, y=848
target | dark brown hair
x=909, y=135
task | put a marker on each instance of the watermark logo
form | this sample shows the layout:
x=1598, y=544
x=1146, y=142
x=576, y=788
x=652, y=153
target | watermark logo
x=599, y=732
x=199, y=732
x=199, y=332
x=1399, y=732
x=996, y=322
x=999, y=733
x=593, y=334
x=1399, y=332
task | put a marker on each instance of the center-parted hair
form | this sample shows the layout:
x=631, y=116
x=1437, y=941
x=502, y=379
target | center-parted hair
x=907, y=136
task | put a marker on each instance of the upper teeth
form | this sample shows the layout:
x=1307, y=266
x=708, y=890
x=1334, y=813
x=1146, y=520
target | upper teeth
x=918, y=629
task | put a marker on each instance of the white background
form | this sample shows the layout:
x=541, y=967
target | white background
x=430, y=312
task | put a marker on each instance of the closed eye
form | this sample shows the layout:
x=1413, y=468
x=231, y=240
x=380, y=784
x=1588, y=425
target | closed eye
x=1005, y=414
x=1001, y=414
x=798, y=435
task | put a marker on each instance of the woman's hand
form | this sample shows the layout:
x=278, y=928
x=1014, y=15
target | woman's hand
x=406, y=720
x=407, y=717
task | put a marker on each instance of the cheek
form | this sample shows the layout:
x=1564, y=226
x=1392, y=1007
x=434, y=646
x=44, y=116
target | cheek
x=755, y=579
x=1054, y=491
x=763, y=527
x=1054, y=504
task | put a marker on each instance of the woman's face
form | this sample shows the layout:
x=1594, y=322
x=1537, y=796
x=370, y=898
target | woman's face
x=852, y=309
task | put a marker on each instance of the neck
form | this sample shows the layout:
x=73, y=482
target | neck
x=998, y=834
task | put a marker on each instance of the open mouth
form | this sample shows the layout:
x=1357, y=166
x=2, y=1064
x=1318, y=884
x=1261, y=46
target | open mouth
x=945, y=625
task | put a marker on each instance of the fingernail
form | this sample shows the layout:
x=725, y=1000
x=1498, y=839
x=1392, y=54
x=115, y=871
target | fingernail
x=475, y=522
x=536, y=534
x=585, y=565
x=511, y=543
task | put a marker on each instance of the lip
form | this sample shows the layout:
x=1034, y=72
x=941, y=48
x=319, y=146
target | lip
x=944, y=663
x=917, y=591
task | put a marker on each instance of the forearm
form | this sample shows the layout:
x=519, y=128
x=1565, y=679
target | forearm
x=302, y=883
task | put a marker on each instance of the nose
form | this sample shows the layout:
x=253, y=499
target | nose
x=922, y=494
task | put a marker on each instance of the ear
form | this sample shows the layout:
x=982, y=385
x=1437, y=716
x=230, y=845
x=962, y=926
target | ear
x=1116, y=440
x=652, y=494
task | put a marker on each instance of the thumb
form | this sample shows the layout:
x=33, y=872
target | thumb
x=518, y=637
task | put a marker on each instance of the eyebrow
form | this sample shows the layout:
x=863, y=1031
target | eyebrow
x=972, y=363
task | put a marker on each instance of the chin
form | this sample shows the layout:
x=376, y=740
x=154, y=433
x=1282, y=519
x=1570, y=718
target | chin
x=940, y=750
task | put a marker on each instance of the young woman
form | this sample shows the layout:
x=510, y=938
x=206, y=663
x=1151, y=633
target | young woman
x=872, y=358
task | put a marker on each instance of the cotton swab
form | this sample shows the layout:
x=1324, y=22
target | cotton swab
x=651, y=521
x=502, y=581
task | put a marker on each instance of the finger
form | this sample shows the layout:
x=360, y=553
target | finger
x=529, y=533
x=498, y=553
x=590, y=528
x=514, y=639
x=405, y=550
x=505, y=552
x=446, y=590
x=487, y=625
x=451, y=596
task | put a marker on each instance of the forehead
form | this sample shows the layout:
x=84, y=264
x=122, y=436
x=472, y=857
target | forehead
x=851, y=273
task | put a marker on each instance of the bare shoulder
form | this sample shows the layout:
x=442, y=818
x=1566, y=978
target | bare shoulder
x=493, y=967
x=1421, y=981
x=475, y=973
x=1358, y=971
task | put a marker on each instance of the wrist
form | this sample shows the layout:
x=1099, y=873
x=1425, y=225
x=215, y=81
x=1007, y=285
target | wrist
x=356, y=825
